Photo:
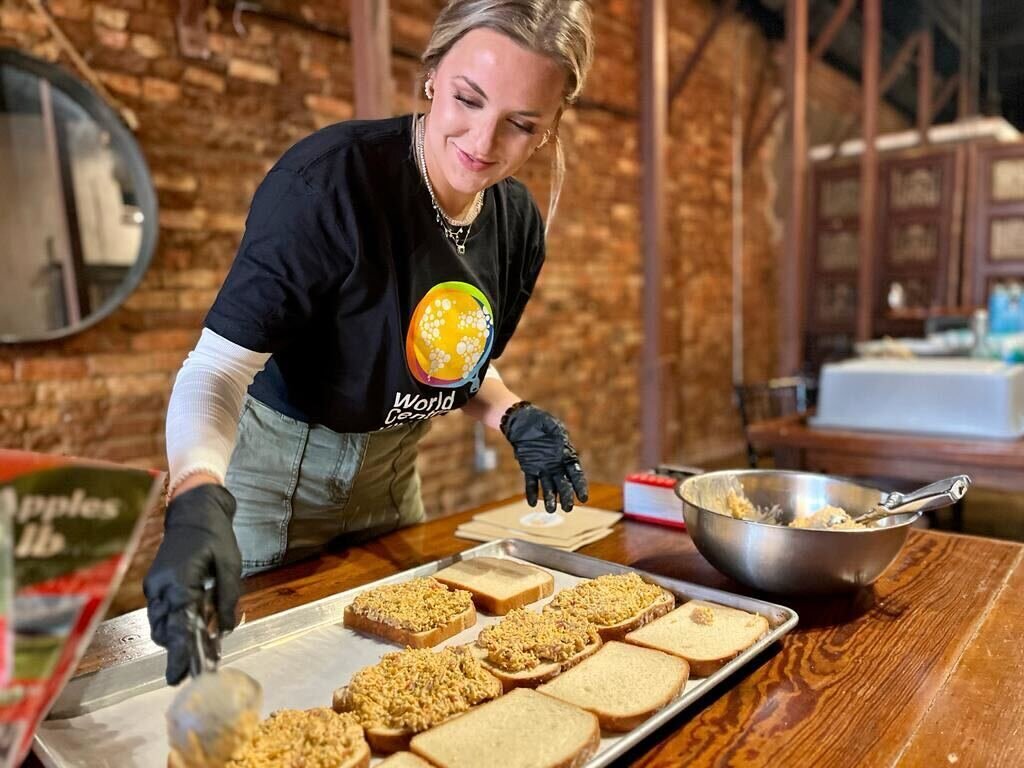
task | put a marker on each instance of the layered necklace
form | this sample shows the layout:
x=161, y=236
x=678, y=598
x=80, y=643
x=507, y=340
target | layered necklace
x=456, y=230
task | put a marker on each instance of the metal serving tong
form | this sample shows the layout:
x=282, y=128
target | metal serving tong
x=217, y=710
x=933, y=496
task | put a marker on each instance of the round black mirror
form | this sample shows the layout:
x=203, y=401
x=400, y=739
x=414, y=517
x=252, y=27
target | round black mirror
x=78, y=216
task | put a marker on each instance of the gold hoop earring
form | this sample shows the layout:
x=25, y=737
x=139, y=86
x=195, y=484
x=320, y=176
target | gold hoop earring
x=428, y=89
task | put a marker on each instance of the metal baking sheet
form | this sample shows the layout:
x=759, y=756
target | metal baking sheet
x=115, y=716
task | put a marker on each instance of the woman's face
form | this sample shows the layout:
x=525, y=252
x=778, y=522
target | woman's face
x=493, y=101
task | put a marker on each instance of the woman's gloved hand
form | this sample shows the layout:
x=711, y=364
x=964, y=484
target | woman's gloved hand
x=198, y=542
x=541, y=445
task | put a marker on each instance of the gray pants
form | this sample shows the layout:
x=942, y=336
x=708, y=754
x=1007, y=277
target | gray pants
x=301, y=487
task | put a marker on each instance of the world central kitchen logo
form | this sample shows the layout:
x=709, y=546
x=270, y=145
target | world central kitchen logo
x=417, y=407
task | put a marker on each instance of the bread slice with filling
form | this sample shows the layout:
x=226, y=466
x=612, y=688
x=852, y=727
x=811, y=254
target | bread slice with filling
x=706, y=635
x=622, y=684
x=604, y=599
x=419, y=613
x=522, y=729
x=526, y=648
x=498, y=584
x=305, y=737
x=412, y=690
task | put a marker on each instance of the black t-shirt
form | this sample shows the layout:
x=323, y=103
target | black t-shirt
x=372, y=316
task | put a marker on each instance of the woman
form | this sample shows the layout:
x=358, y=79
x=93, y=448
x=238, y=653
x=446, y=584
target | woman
x=384, y=265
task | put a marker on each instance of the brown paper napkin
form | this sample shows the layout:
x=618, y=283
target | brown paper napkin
x=474, y=533
x=519, y=517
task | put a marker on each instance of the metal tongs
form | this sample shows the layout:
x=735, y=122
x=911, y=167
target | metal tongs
x=933, y=496
x=217, y=710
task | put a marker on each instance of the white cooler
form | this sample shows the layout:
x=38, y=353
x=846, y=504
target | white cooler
x=937, y=396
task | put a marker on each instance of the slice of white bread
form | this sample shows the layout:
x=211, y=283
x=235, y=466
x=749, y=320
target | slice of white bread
x=705, y=634
x=412, y=690
x=498, y=584
x=618, y=586
x=522, y=729
x=404, y=760
x=381, y=612
x=305, y=737
x=622, y=684
x=524, y=637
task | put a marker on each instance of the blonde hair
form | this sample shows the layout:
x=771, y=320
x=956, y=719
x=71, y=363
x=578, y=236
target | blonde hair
x=560, y=29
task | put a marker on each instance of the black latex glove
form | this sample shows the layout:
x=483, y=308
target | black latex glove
x=198, y=542
x=541, y=445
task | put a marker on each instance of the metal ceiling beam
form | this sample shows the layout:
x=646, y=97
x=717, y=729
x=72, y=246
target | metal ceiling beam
x=944, y=96
x=723, y=12
x=946, y=16
x=893, y=71
x=835, y=23
x=821, y=44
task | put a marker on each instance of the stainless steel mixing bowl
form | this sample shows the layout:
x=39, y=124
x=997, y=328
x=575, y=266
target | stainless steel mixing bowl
x=784, y=560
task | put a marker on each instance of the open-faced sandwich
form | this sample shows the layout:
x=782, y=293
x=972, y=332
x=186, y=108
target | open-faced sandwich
x=419, y=613
x=412, y=690
x=315, y=737
x=614, y=603
x=525, y=648
x=706, y=635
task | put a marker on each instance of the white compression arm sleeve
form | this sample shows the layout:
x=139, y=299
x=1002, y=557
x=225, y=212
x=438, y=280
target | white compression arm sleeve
x=206, y=401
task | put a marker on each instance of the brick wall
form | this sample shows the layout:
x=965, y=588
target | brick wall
x=211, y=129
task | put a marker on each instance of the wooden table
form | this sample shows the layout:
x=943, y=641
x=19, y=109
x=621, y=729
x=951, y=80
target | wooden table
x=995, y=464
x=923, y=669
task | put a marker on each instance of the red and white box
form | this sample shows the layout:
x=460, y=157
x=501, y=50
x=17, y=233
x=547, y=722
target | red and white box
x=651, y=498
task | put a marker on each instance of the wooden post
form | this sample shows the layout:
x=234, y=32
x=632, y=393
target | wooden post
x=970, y=57
x=371, y=53
x=925, y=65
x=792, y=281
x=654, y=122
x=975, y=103
x=872, y=11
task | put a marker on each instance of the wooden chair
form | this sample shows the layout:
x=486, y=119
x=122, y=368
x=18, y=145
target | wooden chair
x=771, y=399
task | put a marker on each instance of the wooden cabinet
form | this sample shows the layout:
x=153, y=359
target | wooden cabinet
x=834, y=253
x=917, y=251
x=995, y=223
x=916, y=247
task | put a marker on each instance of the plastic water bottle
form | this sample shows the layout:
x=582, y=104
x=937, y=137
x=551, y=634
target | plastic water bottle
x=999, y=309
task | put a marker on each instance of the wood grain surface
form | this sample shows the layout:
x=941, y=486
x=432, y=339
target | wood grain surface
x=996, y=464
x=922, y=669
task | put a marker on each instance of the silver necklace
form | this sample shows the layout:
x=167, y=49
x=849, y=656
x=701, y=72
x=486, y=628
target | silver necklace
x=456, y=230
